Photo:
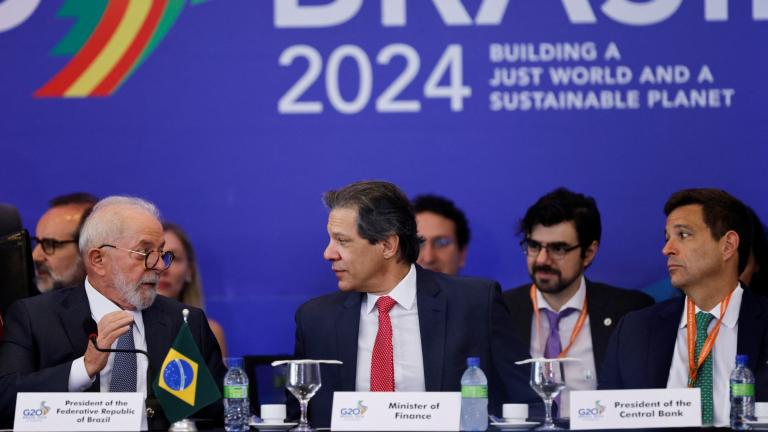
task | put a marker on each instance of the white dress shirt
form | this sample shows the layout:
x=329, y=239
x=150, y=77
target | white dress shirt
x=723, y=355
x=406, y=338
x=78, y=376
x=579, y=375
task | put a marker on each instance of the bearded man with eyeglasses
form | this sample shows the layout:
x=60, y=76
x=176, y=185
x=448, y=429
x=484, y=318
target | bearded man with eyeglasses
x=57, y=259
x=562, y=314
x=47, y=348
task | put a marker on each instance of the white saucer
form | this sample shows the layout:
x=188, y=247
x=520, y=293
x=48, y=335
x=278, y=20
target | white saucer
x=273, y=426
x=514, y=426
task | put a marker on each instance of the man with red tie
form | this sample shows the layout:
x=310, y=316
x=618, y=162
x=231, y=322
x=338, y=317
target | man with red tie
x=394, y=325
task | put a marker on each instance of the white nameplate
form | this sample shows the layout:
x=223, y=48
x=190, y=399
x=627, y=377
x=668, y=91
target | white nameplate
x=628, y=409
x=78, y=412
x=396, y=411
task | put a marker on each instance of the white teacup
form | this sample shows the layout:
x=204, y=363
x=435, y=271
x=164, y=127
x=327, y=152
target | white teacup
x=514, y=413
x=761, y=411
x=273, y=413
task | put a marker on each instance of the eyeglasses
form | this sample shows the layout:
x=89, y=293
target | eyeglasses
x=556, y=250
x=49, y=245
x=151, y=257
x=440, y=242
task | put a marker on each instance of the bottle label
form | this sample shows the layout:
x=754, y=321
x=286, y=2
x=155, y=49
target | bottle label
x=475, y=391
x=236, y=392
x=742, y=389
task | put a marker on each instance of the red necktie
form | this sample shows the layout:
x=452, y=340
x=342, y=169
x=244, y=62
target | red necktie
x=382, y=362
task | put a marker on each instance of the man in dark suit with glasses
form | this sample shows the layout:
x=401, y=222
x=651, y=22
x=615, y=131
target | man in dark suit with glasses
x=562, y=313
x=47, y=348
x=57, y=259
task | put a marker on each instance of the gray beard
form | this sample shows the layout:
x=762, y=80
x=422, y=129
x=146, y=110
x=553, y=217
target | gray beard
x=74, y=275
x=132, y=293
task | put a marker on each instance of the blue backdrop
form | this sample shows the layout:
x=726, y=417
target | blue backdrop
x=247, y=110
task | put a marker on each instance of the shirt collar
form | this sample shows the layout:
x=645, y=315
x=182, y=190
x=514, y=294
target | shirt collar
x=404, y=292
x=731, y=317
x=101, y=306
x=575, y=302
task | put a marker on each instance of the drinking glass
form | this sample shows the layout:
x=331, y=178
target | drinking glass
x=303, y=382
x=547, y=381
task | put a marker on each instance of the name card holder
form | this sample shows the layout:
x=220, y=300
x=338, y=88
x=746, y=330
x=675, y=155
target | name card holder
x=631, y=409
x=78, y=412
x=396, y=411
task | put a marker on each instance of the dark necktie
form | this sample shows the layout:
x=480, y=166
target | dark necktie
x=382, y=360
x=124, y=365
x=704, y=376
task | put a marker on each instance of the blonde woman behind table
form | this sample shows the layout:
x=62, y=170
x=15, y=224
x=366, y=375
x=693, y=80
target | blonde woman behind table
x=182, y=279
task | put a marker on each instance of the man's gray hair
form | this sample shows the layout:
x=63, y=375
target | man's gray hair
x=104, y=223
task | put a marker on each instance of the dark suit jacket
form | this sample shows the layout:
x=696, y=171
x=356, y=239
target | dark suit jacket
x=641, y=349
x=458, y=318
x=44, y=334
x=606, y=304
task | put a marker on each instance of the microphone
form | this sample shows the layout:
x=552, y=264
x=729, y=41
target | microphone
x=89, y=325
x=153, y=406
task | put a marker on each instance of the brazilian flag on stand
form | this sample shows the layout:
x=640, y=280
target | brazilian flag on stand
x=184, y=384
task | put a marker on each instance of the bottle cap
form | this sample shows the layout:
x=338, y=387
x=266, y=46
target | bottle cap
x=234, y=362
x=742, y=359
x=473, y=361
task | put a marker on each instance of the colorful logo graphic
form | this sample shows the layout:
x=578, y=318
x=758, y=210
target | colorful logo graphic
x=356, y=412
x=592, y=413
x=178, y=376
x=36, y=414
x=110, y=40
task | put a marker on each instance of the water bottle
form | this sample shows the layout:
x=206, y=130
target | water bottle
x=742, y=394
x=474, y=397
x=237, y=411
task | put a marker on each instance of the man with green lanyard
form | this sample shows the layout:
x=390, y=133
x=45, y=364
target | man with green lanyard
x=693, y=341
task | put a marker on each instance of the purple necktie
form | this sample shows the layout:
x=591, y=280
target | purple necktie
x=553, y=347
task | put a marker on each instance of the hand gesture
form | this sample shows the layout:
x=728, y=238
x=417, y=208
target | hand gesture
x=112, y=326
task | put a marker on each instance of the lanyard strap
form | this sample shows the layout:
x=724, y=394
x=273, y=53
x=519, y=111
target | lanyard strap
x=576, y=329
x=693, y=363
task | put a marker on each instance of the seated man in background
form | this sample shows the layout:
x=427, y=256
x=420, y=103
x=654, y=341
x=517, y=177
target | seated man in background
x=708, y=234
x=443, y=232
x=562, y=311
x=394, y=325
x=58, y=263
x=46, y=346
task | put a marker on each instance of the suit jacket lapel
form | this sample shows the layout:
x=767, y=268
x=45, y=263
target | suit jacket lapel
x=599, y=331
x=347, y=327
x=661, y=344
x=74, y=317
x=432, y=310
x=157, y=332
x=752, y=323
x=522, y=313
